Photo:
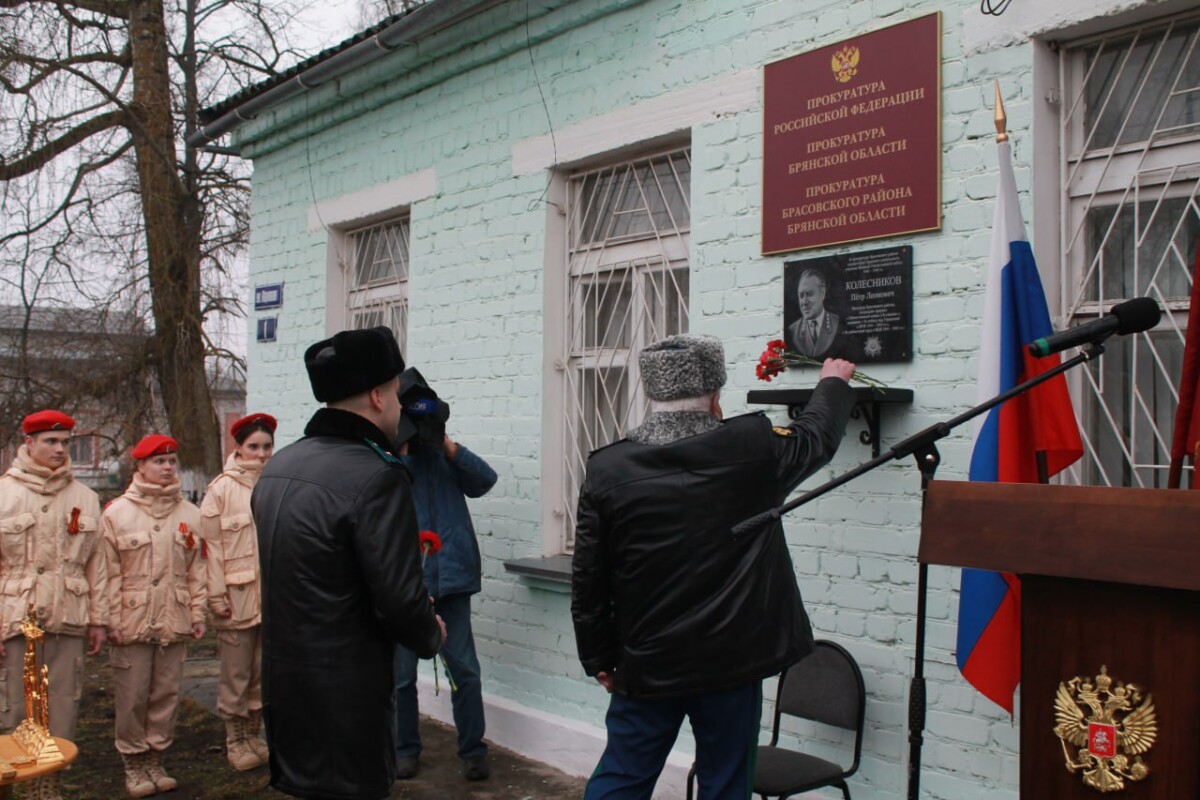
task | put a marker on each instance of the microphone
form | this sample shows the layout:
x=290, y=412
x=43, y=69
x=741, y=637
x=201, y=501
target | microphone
x=1132, y=316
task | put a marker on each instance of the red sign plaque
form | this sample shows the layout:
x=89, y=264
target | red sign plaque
x=852, y=139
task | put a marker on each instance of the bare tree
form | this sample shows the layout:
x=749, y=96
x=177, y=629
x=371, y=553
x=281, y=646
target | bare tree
x=59, y=357
x=98, y=201
x=372, y=12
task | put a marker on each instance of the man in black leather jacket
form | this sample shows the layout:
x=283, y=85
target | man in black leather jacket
x=672, y=615
x=341, y=578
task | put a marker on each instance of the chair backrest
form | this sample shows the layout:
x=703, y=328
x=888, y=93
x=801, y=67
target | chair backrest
x=826, y=687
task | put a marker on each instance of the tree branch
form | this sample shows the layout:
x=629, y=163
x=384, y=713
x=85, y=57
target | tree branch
x=38, y=158
x=109, y=8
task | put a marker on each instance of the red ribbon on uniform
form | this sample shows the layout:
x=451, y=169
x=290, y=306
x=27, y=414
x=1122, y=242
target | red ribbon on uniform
x=191, y=540
x=204, y=548
x=73, y=525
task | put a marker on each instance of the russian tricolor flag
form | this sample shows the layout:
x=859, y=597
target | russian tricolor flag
x=1009, y=437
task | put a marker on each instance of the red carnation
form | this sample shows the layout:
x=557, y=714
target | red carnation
x=191, y=540
x=771, y=362
x=776, y=358
x=73, y=525
x=430, y=542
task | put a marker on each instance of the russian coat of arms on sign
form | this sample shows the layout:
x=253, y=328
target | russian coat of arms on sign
x=1104, y=729
x=845, y=63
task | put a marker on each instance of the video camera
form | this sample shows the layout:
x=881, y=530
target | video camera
x=423, y=410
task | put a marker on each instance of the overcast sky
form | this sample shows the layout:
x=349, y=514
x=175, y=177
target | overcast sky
x=320, y=26
x=325, y=24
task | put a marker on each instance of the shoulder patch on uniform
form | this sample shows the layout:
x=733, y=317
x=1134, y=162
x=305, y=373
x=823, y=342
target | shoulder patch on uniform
x=780, y=431
x=384, y=454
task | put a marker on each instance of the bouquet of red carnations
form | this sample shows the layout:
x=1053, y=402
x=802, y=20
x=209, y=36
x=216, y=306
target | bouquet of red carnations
x=776, y=358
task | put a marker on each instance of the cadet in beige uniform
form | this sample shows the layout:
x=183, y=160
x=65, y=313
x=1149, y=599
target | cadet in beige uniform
x=50, y=556
x=233, y=589
x=156, y=590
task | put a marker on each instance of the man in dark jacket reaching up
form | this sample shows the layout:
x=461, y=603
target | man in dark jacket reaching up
x=341, y=578
x=672, y=615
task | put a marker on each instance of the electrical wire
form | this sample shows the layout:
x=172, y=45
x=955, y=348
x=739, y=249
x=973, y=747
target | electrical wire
x=545, y=107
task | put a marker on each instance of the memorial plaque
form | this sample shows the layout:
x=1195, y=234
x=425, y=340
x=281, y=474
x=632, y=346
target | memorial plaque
x=854, y=305
x=852, y=139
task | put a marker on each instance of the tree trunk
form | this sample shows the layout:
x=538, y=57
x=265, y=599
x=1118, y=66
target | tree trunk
x=173, y=224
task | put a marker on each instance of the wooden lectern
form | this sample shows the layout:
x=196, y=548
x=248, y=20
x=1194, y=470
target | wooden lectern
x=1108, y=577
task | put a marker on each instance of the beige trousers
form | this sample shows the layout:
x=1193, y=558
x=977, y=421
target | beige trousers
x=64, y=656
x=240, y=689
x=147, y=679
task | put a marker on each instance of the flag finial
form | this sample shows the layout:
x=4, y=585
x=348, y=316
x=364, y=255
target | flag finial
x=1001, y=120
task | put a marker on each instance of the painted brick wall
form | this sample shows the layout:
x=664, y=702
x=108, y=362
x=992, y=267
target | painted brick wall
x=476, y=328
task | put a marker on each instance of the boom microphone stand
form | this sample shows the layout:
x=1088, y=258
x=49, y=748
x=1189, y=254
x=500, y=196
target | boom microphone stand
x=923, y=446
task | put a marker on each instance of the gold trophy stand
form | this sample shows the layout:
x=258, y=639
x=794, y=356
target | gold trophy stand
x=30, y=752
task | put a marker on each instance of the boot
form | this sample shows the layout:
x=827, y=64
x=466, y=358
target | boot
x=254, y=735
x=157, y=774
x=240, y=756
x=137, y=782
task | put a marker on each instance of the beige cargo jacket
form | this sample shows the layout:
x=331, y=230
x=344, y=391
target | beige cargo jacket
x=41, y=560
x=233, y=577
x=153, y=544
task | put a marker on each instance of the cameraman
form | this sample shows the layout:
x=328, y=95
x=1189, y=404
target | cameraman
x=444, y=474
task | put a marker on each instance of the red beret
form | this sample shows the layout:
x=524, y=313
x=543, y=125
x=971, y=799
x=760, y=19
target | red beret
x=156, y=444
x=47, y=421
x=266, y=420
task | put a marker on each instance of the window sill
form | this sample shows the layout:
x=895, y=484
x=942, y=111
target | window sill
x=552, y=573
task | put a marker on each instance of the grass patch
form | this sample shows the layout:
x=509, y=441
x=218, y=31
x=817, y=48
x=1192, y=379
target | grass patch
x=196, y=759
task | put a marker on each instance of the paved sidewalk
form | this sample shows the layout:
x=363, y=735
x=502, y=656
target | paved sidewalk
x=440, y=778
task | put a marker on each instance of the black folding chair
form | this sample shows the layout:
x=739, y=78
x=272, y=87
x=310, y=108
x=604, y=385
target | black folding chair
x=825, y=687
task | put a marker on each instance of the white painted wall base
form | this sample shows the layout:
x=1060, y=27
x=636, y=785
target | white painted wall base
x=566, y=744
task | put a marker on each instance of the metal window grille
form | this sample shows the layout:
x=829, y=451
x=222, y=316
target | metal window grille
x=627, y=259
x=376, y=274
x=1131, y=226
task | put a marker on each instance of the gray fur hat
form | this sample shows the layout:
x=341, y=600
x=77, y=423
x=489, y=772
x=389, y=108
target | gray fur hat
x=684, y=365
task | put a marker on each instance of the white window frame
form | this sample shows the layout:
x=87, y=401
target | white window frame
x=1068, y=181
x=342, y=215
x=643, y=254
x=93, y=442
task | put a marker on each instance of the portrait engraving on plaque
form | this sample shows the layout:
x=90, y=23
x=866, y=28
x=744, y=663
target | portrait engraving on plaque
x=852, y=305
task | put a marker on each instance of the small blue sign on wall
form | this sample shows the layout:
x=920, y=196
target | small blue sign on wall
x=266, y=329
x=268, y=296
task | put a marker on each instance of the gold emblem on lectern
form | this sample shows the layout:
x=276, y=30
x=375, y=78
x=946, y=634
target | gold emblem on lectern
x=1111, y=726
x=845, y=63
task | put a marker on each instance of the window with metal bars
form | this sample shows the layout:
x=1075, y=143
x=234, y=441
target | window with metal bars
x=628, y=228
x=376, y=277
x=1130, y=173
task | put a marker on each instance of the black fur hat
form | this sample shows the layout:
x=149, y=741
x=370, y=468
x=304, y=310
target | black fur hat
x=352, y=362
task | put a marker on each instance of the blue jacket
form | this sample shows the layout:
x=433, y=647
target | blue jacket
x=440, y=488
